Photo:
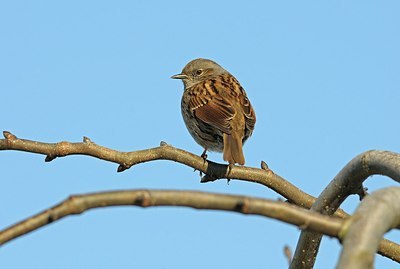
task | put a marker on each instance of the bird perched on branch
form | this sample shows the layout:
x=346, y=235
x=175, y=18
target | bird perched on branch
x=216, y=110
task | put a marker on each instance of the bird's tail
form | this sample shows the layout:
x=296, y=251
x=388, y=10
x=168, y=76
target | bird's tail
x=233, y=151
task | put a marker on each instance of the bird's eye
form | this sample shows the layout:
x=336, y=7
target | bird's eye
x=199, y=72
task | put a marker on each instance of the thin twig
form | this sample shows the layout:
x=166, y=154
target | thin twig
x=288, y=254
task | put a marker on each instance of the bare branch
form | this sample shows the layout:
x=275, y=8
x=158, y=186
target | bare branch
x=163, y=152
x=348, y=181
x=362, y=233
x=214, y=171
x=77, y=204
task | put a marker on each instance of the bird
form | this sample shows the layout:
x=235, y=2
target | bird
x=216, y=110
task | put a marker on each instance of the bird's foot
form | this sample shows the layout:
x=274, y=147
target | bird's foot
x=204, y=155
x=230, y=166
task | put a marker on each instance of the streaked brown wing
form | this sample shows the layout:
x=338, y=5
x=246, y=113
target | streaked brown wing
x=209, y=106
x=238, y=93
x=250, y=115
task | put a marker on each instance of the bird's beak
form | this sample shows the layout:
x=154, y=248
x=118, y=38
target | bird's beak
x=180, y=76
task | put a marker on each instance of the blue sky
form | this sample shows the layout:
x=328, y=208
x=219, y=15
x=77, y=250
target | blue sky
x=323, y=77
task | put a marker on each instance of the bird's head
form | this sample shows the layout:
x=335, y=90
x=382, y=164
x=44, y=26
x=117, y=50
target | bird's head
x=199, y=70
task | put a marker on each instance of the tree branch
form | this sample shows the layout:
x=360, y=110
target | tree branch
x=126, y=160
x=213, y=170
x=78, y=204
x=377, y=213
x=348, y=181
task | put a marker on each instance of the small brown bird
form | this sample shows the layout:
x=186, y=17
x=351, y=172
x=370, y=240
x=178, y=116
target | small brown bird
x=215, y=109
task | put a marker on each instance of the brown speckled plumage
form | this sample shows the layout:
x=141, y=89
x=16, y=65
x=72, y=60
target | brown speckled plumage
x=215, y=109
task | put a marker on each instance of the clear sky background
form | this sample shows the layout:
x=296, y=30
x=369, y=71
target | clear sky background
x=323, y=77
